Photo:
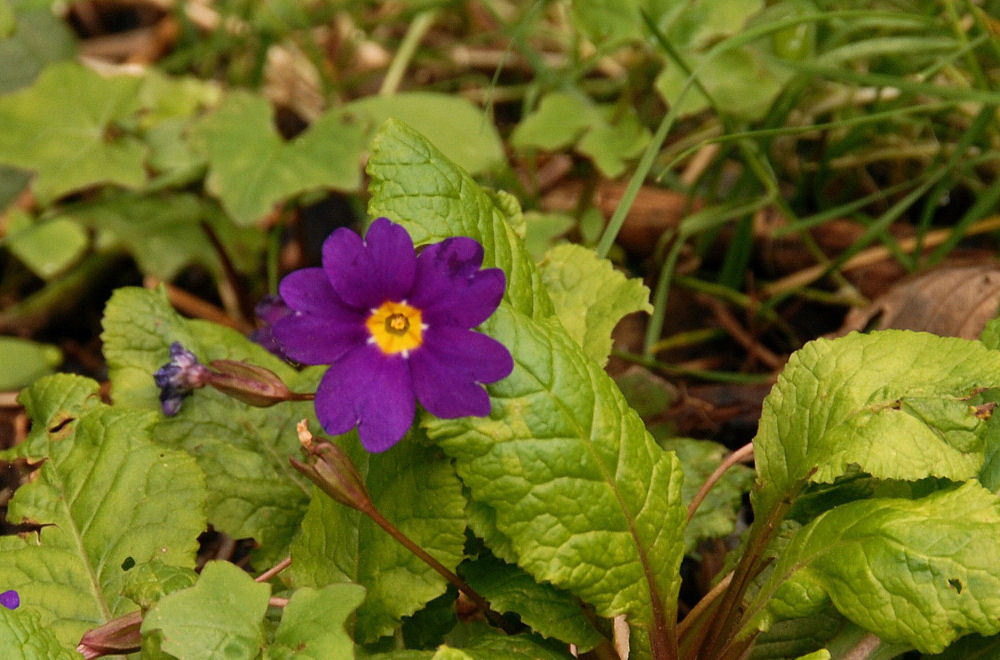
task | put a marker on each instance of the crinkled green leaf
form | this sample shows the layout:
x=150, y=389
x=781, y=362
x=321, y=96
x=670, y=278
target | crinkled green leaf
x=893, y=403
x=47, y=248
x=590, y=296
x=460, y=129
x=149, y=582
x=219, y=617
x=164, y=233
x=251, y=168
x=24, y=637
x=39, y=38
x=417, y=492
x=588, y=500
x=685, y=24
x=22, y=362
x=547, y=610
x=414, y=185
x=921, y=572
x=243, y=450
x=107, y=496
x=312, y=624
x=65, y=128
x=717, y=515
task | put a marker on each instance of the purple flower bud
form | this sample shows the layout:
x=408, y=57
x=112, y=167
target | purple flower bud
x=177, y=378
x=10, y=599
x=249, y=383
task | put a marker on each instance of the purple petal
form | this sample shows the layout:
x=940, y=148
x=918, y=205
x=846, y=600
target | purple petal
x=367, y=273
x=309, y=290
x=450, y=289
x=396, y=261
x=318, y=340
x=369, y=390
x=10, y=599
x=449, y=368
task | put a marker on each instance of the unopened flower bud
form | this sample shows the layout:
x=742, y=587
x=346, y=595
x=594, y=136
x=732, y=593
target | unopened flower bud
x=116, y=637
x=249, y=383
x=178, y=377
x=329, y=467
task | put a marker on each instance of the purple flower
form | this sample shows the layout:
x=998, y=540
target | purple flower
x=395, y=328
x=269, y=311
x=177, y=378
x=10, y=599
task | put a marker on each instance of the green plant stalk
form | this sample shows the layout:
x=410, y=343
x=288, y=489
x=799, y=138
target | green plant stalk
x=715, y=639
x=397, y=68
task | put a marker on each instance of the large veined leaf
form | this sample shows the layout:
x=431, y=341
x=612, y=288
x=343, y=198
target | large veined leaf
x=243, y=450
x=588, y=500
x=921, y=572
x=71, y=106
x=418, y=493
x=251, y=168
x=107, y=497
x=414, y=185
x=893, y=403
x=23, y=636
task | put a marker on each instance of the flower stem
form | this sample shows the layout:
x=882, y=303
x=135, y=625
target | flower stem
x=274, y=570
x=393, y=531
x=742, y=454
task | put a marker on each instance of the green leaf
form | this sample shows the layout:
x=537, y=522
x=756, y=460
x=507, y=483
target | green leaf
x=418, y=493
x=65, y=128
x=243, y=450
x=39, y=38
x=414, y=185
x=251, y=168
x=558, y=122
x=47, y=248
x=22, y=362
x=220, y=616
x=312, y=625
x=603, y=133
x=588, y=500
x=461, y=130
x=739, y=82
x=590, y=296
x=547, y=610
x=792, y=638
x=920, y=572
x=149, y=582
x=24, y=637
x=165, y=233
x=542, y=230
x=893, y=403
x=107, y=496
x=717, y=515
x=477, y=641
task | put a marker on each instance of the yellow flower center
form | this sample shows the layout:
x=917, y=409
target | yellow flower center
x=396, y=328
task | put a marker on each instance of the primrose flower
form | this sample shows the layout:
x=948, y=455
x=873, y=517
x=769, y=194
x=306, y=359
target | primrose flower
x=10, y=599
x=395, y=328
